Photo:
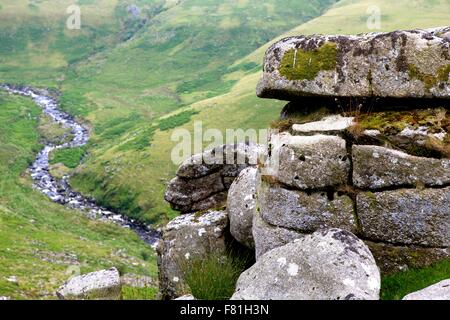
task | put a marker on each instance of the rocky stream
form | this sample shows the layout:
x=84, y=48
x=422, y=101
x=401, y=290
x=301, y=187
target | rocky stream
x=59, y=190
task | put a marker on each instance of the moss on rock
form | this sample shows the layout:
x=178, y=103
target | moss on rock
x=430, y=80
x=298, y=64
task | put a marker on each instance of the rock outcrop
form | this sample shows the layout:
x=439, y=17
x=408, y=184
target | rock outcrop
x=400, y=64
x=192, y=236
x=100, y=285
x=203, y=180
x=331, y=264
x=438, y=291
x=363, y=148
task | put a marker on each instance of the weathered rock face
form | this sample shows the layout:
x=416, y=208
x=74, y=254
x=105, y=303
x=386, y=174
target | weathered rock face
x=330, y=264
x=241, y=206
x=393, y=258
x=378, y=167
x=230, y=159
x=185, y=194
x=268, y=237
x=203, y=180
x=439, y=291
x=309, y=162
x=297, y=210
x=188, y=237
x=400, y=64
x=406, y=216
x=100, y=285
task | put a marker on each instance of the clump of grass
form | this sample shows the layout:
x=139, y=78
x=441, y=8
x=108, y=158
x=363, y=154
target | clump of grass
x=356, y=130
x=214, y=277
x=71, y=158
x=298, y=64
x=133, y=293
x=396, y=286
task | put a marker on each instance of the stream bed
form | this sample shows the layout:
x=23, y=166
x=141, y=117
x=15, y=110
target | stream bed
x=59, y=190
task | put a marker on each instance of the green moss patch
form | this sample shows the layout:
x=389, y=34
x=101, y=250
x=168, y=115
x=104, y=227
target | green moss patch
x=428, y=79
x=298, y=64
x=393, y=122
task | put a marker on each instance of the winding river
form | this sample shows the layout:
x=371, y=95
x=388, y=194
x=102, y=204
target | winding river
x=59, y=190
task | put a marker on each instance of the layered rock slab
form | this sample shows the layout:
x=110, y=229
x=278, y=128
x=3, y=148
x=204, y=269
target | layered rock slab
x=377, y=167
x=406, y=216
x=203, y=180
x=330, y=264
x=308, y=162
x=399, y=64
x=303, y=212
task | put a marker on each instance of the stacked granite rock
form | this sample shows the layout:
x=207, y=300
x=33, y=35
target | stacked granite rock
x=329, y=177
x=199, y=192
x=325, y=176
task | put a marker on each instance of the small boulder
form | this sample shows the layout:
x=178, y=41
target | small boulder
x=99, y=285
x=395, y=258
x=241, y=206
x=188, y=237
x=439, y=291
x=331, y=264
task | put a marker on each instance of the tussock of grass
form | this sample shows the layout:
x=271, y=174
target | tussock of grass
x=133, y=293
x=215, y=277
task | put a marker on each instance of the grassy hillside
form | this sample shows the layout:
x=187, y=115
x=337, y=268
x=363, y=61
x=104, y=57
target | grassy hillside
x=183, y=55
x=42, y=242
x=239, y=107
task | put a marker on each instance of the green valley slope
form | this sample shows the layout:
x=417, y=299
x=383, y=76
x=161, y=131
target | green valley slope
x=183, y=55
x=42, y=243
x=238, y=108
